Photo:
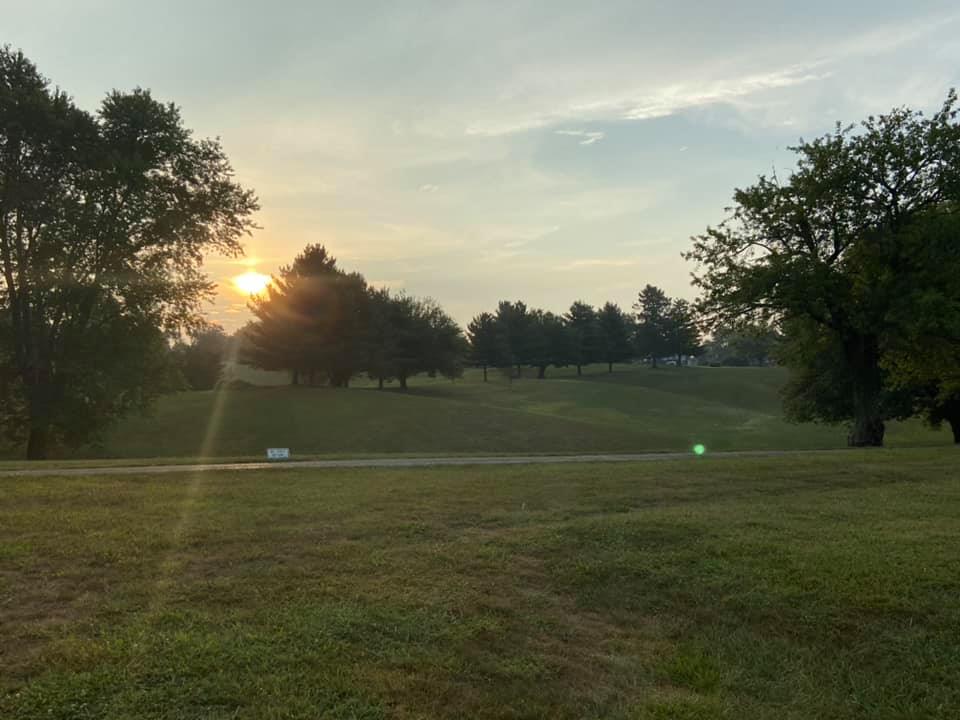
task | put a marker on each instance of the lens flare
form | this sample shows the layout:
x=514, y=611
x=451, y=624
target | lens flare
x=699, y=449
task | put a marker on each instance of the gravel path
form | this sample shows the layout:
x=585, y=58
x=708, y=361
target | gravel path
x=395, y=463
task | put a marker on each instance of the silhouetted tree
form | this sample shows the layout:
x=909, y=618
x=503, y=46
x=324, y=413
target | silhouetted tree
x=312, y=320
x=280, y=336
x=381, y=341
x=653, y=324
x=616, y=335
x=581, y=320
x=104, y=223
x=683, y=334
x=514, y=322
x=428, y=340
x=487, y=343
x=548, y=342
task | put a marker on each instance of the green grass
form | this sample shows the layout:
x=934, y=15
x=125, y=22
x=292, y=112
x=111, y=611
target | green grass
x=635, y=409
x=821, y=586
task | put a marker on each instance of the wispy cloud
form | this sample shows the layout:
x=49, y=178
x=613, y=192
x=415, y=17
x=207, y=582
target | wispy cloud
x=429, y=188
x=596, y=263
x=670, y=100
x=587, y=137
x=659, y=102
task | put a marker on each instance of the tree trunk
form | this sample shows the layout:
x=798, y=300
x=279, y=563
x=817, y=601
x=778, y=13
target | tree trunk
x=403, y=382
x=519, y=370
x=39, y=405
x=379, y=383
x=864, y=357
x=295, y=377
x=541, y=372
x=679, y=360
x=579, y=371
x=609, y=367
x=484, y=373
x=952, y=415
x=37, y=443
x=653, y=361
x=866, y=432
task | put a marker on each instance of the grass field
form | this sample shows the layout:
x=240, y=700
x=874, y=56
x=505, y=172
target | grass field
x=634, y=409
x=814, y=586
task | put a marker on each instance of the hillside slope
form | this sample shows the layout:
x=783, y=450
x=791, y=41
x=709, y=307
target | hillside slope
x=633, y=409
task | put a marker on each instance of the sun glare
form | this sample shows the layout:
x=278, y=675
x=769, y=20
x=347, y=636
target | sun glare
x=251, y=283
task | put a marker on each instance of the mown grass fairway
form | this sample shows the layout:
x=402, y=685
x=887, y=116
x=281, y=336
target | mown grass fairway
x=807, y=586
x=635, y=409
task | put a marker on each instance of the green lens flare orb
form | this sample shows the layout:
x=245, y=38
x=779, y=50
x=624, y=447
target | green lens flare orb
x=699, y=449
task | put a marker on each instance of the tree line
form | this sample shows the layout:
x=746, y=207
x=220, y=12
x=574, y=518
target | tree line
x=517, y=336
x=326, y=326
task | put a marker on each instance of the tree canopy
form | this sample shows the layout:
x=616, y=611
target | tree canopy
x=839, y=256
x=104, y=222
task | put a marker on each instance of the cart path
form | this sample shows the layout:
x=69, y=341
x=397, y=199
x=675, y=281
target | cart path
x=412, y=462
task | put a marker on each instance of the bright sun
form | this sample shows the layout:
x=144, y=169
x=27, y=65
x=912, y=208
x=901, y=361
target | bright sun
x=251, y=283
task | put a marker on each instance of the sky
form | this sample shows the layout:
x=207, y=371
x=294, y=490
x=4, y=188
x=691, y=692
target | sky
x=477, y=151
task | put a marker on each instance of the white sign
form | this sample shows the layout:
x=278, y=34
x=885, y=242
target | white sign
x=278, y=453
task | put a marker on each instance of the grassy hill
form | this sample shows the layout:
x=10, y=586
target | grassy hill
x=634, y=409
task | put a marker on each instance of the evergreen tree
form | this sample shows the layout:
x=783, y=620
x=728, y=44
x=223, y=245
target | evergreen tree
x=312, y=321
x=585, y=340
x=486, y=342
x=653, y=324
x=683, y=334
x=514, y=323
x=616, y=333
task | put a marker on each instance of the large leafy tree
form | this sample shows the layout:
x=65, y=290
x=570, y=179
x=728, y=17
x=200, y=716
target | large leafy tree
x=104, y=222
x=616, y=333
x=653, y=324
x=826, y=250
x=923, y=358
x=584, y=344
